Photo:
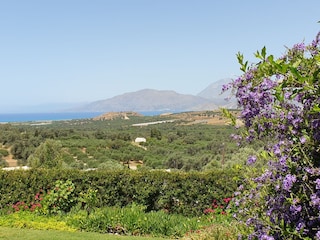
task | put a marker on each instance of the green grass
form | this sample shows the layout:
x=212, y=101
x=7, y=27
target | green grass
x=29, y=234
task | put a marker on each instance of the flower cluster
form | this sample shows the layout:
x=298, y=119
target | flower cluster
x=33, y=206
x=280, y=102
x=218, y=208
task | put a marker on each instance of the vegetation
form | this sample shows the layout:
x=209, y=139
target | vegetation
x=180, y=193
x=109, y=144
x=280, y=99
x=192, y=179
x=128, y=220
x=58, y=194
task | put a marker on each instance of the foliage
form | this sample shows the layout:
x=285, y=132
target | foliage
x=174, y=192
x=88, y=200
x=132, y=220
x=216, y=231
x=27, y=219
x=60, y=198
x=280, y=101
x=4, y=152
x=47, y=155
x=87, y=144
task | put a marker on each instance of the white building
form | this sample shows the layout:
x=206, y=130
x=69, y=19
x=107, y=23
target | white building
x=140, y=140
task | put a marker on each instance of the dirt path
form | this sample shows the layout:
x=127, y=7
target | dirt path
x=9, y=159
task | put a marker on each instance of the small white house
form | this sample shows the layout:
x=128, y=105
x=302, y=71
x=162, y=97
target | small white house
x=140, y=140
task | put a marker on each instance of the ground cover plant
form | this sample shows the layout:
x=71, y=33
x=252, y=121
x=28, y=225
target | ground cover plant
x=280, y=98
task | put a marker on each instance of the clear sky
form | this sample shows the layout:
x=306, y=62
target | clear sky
x=69, y=51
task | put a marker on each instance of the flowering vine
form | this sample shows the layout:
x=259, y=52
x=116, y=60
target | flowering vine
x=280, y=102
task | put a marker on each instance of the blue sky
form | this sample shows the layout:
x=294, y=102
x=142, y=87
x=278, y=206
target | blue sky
x=70, y=51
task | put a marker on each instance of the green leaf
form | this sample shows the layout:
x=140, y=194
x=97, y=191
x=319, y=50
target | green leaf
x=317, y=58
x=257, y=55
x=270, y=59
x=264, y=154
x=229, y=115
x=296, y=63
x=296, y=73
x=316, y=108
x=240, y=60
x=279, y=93
x=264, y=52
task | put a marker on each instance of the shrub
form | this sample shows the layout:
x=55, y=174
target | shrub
x=280, y=101
x=175, y=192
x=60, y=198
x=4, y=152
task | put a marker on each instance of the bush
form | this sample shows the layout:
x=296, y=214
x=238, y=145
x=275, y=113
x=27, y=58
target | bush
x=175, y=192
x=60, y=198
x=280, y=103
x=4, y=152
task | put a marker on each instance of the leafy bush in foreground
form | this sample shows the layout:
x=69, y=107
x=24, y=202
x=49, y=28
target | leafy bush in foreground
x=280, y=98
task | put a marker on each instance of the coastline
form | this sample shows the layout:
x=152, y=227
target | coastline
x=44, y=117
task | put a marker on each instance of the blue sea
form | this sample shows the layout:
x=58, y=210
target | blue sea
x=36, y=117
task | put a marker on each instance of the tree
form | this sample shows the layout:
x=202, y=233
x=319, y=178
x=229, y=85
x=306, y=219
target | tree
x=280, y=100
x=47, y=155
x=155, y=133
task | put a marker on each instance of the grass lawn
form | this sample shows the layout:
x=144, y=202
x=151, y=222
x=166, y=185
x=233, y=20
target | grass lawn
x=29, y=234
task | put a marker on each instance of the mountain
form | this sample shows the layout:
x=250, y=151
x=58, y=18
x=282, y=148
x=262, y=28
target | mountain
x=149, y=100
x=214, y=93
x=163, y=100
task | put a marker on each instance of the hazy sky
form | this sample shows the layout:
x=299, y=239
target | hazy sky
x=56, y=51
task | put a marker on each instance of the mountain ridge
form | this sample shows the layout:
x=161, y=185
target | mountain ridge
x=147, y=99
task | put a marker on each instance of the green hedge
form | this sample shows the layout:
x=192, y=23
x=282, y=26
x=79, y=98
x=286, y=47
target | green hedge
x=175, y=192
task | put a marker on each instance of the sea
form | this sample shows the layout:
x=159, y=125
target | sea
x=60, y=116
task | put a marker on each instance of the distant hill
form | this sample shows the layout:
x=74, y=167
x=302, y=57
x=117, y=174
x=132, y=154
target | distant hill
x=148, y=100
x=214, y=93
x=214, y=90
x=163, y=100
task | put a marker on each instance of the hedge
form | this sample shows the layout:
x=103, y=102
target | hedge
x=174, y=192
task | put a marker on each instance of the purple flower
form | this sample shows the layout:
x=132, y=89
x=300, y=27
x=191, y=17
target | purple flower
x=295, y=209
x=249, y=221
x=299, y=47
x=288, y=182
x=315, y=200
x=279, y=105
x=283, y=160
x=317, y=182
x=266, y=237
x=300, y=226
x=313, y=171
x=226, y=87
x=303, y=139
x=251, y=160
